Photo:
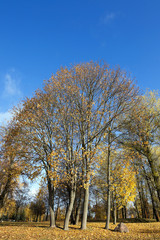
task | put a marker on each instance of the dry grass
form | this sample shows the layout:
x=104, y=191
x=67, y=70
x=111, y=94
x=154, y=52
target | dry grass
x=95, y=231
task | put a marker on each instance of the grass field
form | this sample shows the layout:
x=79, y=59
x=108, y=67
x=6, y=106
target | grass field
x=41, y=231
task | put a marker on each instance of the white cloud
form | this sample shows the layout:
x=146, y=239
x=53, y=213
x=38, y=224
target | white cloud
x=108, y=18
x=11, y=85
x=10, y=94
x=5, y=117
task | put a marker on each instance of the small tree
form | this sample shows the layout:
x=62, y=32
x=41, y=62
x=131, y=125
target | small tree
x=37, y=207
x=122, y=180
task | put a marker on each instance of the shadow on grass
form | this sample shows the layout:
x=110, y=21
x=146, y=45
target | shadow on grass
x=75, y=228
x=33, y=225
x=128, y=220
x=59, y=225
x=22, y=224
x=150, y=231
x=136, y=220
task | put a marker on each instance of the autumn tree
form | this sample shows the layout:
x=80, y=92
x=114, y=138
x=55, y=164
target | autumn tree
x=37, y=206
x=122, y=180
x=68, y=132
x=141, y=133
x=35, y=118
x=145, y=188
x=93, y=90
x=49, y=132
x=21, y=198
x=10, y=168
x=71, y=157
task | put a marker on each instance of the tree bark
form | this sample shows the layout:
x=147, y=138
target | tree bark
x=141, y=196
x=85, y=208
x=108, y=183
x=125, y=212
x=155, y=213
x=142, y=202
x=70, y=208
x=122, y=213
x=155, y=172
x=114, y=213
x=57, y=210
x=37, y=217
x=73, y=217
x=16, y=218
x=5, y=190
x=86, y=188
x=137, y=211
x=47, y=215
x=78, y=213
x=117, y=213
x=78, y=209
x=51, y=203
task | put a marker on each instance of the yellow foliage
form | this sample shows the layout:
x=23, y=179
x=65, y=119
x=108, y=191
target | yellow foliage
x=122, y=179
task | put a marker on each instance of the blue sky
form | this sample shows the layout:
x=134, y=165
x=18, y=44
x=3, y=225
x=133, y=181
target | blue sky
x=37, y=37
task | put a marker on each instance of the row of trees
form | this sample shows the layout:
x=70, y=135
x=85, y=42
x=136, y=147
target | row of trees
x=89, y=126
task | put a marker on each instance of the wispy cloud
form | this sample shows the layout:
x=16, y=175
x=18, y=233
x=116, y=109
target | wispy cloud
x=10, y=94
x=11, y=86
x=108, y=18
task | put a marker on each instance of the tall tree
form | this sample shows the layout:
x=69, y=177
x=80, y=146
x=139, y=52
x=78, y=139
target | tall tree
x=39, y=133
x=93, y=89
x=141, y=132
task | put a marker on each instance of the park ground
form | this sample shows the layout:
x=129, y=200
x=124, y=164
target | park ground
x=95, y=231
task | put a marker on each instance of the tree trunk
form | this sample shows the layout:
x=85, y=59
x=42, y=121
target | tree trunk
x=5, y=190
x=51, y=203
x=85, y=208
x=86, y=188
x=108, y=183
x=155, y=213
x=112, y=207
x=138, y=215
x=78, y=209
x=52, y=215
x=108, y=210
x=77, y=214
x=114, y=213
x=142, y=206
x=70, y=208
x=143, y=202
x=122, y=213
x=125, y=212
x=16, y=218
x=47, y=215
x=37, y=217
x=57, y=210
x=155, y=172
x=141, y=196
x=117, y=214
x=73, y=217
